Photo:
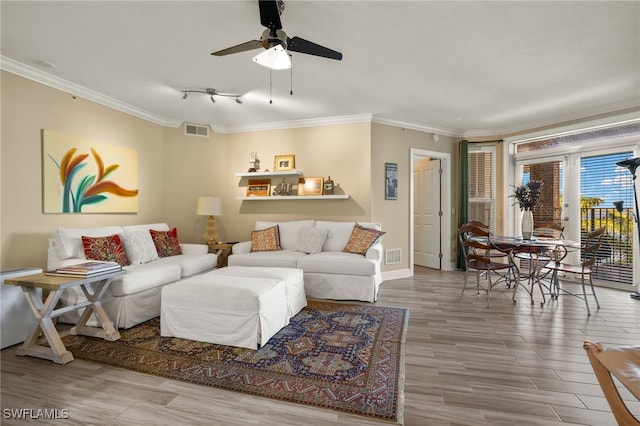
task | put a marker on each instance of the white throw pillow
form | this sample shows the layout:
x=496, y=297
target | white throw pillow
x=139, y=247
x=311, y=239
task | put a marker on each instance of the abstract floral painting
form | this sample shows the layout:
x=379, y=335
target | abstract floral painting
x=83, y=176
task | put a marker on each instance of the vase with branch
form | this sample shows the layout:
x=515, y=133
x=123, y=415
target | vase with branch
x=528, y=197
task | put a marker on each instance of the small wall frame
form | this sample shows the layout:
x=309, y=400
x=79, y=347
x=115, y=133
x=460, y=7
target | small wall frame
x=310, y=186
x=391, y=181
x=284, y=162
x=258, y=187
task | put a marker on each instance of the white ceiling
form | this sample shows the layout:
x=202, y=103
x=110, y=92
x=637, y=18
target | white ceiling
x=457, y=68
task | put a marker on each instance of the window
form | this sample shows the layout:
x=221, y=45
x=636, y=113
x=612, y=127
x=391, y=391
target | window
x=482, y=185
x=601, y=184
x=582, y=187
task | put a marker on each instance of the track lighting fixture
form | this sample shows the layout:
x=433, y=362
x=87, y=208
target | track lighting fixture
x=212, y=93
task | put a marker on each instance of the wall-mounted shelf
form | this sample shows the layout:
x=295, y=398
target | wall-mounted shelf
x=284, y=197
x=269, y=174
x=295, y=197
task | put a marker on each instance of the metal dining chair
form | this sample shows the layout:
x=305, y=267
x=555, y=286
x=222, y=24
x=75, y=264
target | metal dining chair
x=477, y=228
x=545, y=230
x=477, y=258
x=584, y=269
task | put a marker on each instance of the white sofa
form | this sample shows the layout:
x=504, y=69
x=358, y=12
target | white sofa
x=134, y=297
x=328, y=274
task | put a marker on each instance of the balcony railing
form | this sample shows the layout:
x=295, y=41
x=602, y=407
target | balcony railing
x=615, y=256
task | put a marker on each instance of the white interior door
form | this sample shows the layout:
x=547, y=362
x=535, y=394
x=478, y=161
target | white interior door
x=427, y=214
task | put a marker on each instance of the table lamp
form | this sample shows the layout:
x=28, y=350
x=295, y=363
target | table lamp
x=210, y=206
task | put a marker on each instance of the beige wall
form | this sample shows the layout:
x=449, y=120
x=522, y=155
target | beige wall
x=391, y=144
x=175, y=169
x=195, y=166
x=340, y=151
x=29, y=107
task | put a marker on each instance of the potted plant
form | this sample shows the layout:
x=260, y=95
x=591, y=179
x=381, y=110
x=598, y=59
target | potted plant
x=528, y=198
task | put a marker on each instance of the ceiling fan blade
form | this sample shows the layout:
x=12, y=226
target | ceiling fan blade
x=243, y=47
x=297, y=44
x=270, y=15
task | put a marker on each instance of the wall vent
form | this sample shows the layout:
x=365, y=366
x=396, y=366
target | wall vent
x=196, y=130
x=392, y=256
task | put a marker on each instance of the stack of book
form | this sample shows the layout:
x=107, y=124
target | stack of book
x=89, y=269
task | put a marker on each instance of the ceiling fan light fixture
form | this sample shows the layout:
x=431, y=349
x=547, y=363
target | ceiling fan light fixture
x=275, y=58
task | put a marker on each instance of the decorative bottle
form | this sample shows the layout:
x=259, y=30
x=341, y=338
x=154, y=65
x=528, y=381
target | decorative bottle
x=328, y=186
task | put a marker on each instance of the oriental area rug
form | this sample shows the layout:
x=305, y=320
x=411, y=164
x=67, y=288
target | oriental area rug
x=344, y=357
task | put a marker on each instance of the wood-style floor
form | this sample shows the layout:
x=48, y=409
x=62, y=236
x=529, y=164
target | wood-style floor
x=511, y=364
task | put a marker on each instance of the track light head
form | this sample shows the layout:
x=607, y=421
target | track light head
x=212, y=94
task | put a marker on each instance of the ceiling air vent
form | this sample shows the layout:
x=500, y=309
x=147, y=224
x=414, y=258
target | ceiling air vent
x=196, y=130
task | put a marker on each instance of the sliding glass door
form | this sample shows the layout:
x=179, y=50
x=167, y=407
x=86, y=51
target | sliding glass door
x=580, y=189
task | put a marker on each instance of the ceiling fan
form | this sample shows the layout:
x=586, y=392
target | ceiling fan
x=276, y=41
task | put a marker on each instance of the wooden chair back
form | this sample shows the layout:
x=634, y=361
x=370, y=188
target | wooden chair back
x=591, y=247
x=548, y=230
x=621, y=362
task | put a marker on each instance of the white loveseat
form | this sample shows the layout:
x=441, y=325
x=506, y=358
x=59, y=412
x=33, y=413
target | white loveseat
x=135, y=296
x=329, y=273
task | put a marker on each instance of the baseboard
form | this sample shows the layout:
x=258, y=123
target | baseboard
x=395, y=274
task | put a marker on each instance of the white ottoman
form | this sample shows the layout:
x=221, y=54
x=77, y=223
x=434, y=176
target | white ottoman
x=222, y=309
x=293, y=282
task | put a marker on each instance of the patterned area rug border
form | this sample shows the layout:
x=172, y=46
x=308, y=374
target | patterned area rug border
x=341, y=356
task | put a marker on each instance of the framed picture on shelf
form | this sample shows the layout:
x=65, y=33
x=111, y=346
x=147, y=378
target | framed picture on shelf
x=310, y=186
x=258, y=187
x=284, y=163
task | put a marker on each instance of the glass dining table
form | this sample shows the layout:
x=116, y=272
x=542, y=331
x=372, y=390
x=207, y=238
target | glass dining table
x=532, y=254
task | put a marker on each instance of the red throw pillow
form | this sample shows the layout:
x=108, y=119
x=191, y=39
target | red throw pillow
x=166, y=242
x=107, y=249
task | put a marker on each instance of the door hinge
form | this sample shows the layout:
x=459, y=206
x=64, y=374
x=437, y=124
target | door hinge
x=440, y=256
x=440, y=213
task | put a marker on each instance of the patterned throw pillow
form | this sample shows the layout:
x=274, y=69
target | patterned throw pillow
x=166, y=242
x=362, y=239
x=266, y=239
x=139, y=247
x=108, y=249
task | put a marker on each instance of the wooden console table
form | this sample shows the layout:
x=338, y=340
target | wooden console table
x=94, y=288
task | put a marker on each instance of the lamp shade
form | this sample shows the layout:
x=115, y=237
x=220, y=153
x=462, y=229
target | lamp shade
x=630, y=163
x=209, y=206
x=275, y=58
x=619, y=205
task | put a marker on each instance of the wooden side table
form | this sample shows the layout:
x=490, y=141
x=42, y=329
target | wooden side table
x=223, y=250
x=94, y=288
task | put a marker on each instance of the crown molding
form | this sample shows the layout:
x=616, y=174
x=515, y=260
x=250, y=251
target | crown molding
x=590, y=125
x=427, y=129
x=31, y=73
x=293, y=124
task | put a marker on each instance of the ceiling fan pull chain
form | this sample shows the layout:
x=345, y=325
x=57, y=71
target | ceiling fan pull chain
x=291, y=76
x=270, y=88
